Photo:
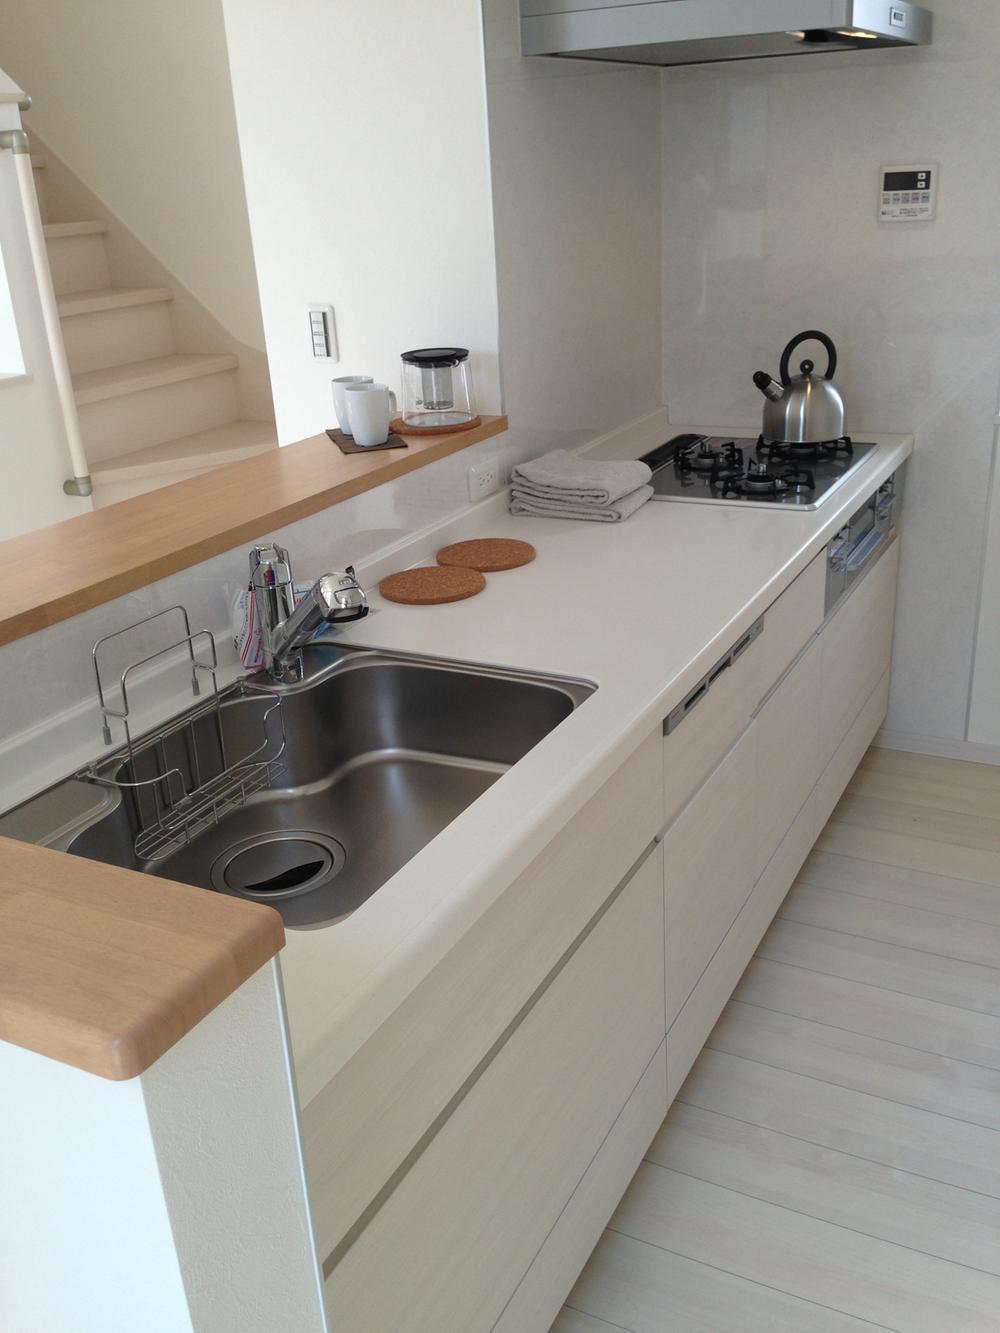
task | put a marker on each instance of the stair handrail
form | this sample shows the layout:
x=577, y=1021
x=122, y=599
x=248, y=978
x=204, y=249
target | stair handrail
x=17, y=142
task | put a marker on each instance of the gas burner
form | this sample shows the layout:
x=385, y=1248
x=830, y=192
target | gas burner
x=761, y=481
x=703, y=458
x=780, y=452
x=725, y=469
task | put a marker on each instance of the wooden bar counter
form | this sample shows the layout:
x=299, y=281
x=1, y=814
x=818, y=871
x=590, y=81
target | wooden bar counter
x=106, y=969
x=91, y=559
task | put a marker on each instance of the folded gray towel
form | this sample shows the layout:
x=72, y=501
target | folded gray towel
x=522, y=503
x=562, y=476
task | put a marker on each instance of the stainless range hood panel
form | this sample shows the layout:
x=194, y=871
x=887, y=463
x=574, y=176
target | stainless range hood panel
x=696, y=32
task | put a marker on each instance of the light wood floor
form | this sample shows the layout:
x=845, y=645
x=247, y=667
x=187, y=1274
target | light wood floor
x=833, y=1161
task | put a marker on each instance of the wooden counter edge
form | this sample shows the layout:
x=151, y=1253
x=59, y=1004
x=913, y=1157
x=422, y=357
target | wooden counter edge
x=86, y=561
x=106, y=969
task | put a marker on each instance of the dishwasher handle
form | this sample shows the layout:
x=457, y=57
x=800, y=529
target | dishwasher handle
x=864, y=551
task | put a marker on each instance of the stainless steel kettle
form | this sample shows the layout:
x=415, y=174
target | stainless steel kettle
x=806, y=409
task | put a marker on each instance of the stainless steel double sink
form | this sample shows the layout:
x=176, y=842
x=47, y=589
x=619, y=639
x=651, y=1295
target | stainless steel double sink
x=376, y=754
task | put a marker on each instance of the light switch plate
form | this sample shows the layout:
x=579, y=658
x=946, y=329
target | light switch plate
x=323, y=333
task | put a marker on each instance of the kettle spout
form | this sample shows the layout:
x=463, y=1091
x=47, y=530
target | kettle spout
x=769, y=388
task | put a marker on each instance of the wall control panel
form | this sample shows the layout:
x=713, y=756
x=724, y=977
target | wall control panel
x=323, y=332
x=907, y=193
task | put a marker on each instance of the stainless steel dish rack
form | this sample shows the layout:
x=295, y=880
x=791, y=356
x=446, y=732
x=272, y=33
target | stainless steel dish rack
x=185, y=775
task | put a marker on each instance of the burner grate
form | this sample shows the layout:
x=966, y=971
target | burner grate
x=761, y=481
x=814, y=451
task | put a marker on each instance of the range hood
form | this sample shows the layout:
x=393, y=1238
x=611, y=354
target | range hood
x=699, y=32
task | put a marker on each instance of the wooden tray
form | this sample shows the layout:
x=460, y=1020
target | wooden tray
x=399, y=425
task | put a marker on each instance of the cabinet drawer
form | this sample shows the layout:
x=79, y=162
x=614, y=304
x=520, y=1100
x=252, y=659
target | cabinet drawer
x=857, y=648
x=693, y=1025
x=692, y=751
x=365, y=1122
x=450, y=1244
x=850, y=752
x=549, y=1280
x=791, y=621
x=708, y=868
x=787, y=752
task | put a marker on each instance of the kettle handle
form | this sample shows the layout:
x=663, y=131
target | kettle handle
x=831, y=352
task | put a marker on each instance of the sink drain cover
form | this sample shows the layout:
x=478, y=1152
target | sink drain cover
x=278, y=865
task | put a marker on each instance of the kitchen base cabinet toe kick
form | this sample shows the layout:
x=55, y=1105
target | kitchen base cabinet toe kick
x=476, y=1185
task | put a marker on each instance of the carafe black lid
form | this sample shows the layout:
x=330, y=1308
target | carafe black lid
x=435, y=357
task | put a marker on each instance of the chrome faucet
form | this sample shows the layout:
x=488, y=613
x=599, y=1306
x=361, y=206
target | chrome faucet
x=286, y=626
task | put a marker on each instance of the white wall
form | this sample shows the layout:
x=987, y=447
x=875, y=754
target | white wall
x=135, y=96
x=32, y=437
x=575, y=150
x=770, y=173
x=174, y=1202
x=363, y=133
x=984, y=709
x=85, y=1238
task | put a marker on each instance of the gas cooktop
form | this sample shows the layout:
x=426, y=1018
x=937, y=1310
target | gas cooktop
x=715, y=469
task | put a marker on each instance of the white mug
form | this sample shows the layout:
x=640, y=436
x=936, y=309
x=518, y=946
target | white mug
x=339, y=405
x=370, y=408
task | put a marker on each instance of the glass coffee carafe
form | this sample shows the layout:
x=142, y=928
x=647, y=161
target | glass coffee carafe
x=437, y=389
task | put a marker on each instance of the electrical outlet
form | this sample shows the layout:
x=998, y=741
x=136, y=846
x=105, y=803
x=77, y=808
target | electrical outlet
x=485, y=478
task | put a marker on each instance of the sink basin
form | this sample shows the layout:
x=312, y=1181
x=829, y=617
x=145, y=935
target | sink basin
x=376, y=754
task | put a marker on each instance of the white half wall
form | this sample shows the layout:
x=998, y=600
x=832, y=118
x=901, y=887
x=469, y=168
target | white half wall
x=363, y=133
x=134, y=95
x=770, y=227
x=174, y=1202
x=85, y=1238
x=575, y=150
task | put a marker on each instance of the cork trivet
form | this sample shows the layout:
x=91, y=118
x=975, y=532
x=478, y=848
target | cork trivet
x=487, y=554
x=430, y=585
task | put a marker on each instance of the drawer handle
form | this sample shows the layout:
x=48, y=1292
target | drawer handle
x=678, y=715
x=864, y=551
x=696, y=695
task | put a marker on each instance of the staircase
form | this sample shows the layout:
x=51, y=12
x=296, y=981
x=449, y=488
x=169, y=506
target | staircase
x=150, y=414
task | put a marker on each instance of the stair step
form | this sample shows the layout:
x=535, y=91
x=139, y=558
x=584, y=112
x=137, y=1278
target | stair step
x=110, y=298
x=136, y=376
x=191, y=453
x=55, y=231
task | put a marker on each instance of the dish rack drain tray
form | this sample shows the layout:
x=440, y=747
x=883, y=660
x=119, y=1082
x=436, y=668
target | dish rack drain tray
x=182, y=777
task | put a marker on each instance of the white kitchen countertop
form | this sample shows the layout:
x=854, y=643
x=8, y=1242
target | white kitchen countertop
x=641, y=609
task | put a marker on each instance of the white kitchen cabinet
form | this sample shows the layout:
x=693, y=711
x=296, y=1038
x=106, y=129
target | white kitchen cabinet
x=449, y=1245
x=708, y=860
x=851, y=751
x=722, y=711
x=694, y=749
x=857, y=647
x=372, y=1114
x=549, y=1280
x=464, y=1162
x=787, y=752
x=693, y=1025
x=809, y=735
x=791, y=621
